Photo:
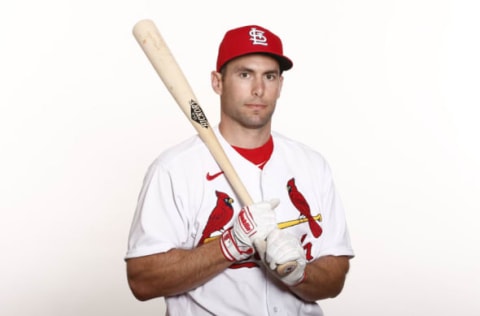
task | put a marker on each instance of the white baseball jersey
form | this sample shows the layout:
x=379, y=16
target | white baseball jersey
x=184, y=186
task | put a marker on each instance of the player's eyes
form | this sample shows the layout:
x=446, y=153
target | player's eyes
x=271, y=76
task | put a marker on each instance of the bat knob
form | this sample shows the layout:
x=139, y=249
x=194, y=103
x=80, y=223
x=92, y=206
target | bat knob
x=286, y=268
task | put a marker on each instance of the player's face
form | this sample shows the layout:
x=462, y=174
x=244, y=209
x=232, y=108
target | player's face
x=249, y=89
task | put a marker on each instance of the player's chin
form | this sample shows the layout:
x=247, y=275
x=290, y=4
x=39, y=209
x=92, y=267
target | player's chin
x=258, y=118
x=256, y=122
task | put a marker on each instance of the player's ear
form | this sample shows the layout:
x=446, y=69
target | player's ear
x=280, y=87
x=216, y=80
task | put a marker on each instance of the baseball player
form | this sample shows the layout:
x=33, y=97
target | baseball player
x=194, y=243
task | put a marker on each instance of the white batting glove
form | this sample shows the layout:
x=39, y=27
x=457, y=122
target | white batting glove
x=282, y=247
x=254, y=222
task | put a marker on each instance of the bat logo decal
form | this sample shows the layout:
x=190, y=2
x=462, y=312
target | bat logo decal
x=197, y=114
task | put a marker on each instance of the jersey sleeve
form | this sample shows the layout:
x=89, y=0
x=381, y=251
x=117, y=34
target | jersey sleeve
x=336, y=238
x=158, y=224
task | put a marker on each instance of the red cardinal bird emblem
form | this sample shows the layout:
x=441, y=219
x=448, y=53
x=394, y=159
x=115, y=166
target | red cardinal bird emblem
x=302, y=206
x=220, y=216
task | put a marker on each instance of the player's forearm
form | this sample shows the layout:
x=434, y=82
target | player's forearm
x=175, y=271
x=324, y=278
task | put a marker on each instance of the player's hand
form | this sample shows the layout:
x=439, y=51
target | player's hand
x=254, y=222
x=282, y=247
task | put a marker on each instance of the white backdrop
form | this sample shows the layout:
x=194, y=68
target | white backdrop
x=387, y=90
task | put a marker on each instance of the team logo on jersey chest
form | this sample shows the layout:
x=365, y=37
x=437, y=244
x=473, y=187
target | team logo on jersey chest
x=223, y=213
x=220, y=216
x=301, y=204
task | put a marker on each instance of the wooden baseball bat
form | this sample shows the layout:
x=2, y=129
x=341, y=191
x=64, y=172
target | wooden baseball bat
x=162, y=60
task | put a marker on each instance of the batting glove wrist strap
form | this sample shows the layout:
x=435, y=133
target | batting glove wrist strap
x=232, y=250
x=254, y=222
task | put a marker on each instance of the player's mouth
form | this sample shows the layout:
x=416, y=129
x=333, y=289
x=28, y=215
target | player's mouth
x=256, y=106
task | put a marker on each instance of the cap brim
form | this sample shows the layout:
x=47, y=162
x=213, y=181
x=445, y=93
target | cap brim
x=285, y=63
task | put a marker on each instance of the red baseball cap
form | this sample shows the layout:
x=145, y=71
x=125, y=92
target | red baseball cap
x=248, y=40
